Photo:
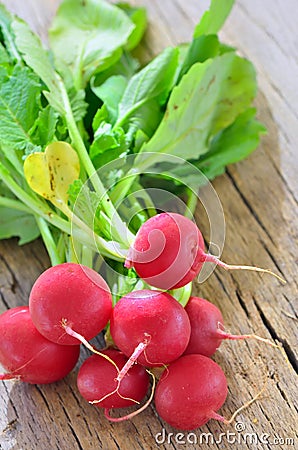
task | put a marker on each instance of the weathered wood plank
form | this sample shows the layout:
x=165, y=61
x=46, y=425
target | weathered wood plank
x=259, y=198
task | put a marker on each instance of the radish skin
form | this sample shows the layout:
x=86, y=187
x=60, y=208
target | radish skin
x=70, y=295
x=168, y=252
x=97, y=381
x=27, y=355
x=149, y=327
x=207, y=328
x=190, y=391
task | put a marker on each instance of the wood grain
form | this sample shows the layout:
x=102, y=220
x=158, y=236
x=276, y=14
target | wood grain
x=259, y=198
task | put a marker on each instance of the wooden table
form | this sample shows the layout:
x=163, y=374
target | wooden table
x=259, y=197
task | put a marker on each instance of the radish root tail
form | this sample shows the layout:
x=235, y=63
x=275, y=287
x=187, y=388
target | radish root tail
x=134, y=413
x=225, y=335
x=9, y=376
x=116, y=390
x=214, y=415
x=218, y=262
x=140, y=348
x=84, y=341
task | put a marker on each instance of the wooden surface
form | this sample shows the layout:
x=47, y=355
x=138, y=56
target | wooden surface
x=259, y=197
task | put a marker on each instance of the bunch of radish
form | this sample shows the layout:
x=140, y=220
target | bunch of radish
x=70, y=304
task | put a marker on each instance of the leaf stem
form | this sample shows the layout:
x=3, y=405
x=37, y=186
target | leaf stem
x=136, y=106
x=121, y=232
x=106, y=248
x=191, y=203
x=14, y=204
x=48, y=241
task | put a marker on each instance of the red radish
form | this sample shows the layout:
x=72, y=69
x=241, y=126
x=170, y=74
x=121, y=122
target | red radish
x=207, y=329
x=97, y=380
x=190, y=391
x=70, y=295
x=168, y=252
x=150, y=327
x=29, y=356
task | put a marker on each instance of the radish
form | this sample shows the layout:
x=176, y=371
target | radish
x=168, y=252
x=150, y=327
x=97, y=381
x=190, y=391
x=29, y=356
x=207, y=329
x=70, y=296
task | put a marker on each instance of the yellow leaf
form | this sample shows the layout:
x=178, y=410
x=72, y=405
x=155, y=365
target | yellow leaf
x=51, y=172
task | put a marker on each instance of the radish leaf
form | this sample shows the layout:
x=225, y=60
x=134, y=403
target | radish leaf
x=50, y=173
x=208, y=99
x=87, y=37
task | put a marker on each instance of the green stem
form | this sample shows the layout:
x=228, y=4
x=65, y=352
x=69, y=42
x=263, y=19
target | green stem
x=182, y=294
x=14, y=204
x=120, y=230
x=71, y=253
x=122, y=188
x=108, y=249
x=86, y=256
x=48, y=241
x=191, y=204
x=10, y=42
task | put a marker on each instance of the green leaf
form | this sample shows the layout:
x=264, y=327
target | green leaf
x=8, y=34
x=4, y=57
x=145, y=119
x=17, y=223
x=232, y=144
x=154, y=81
x=84, y=201
x=86, y=205
x=108, y=144
x=87, y=36
x=101, y=115
x=200, y=49
x=44, y=128
x=208, y=99
x=38, y=59
x=126, y=66
x=78, y=104
x=139, y=17
x=111, y=92
x=19, y=108
x=50, y=173
x=213, y=19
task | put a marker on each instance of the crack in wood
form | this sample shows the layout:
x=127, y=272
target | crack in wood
x=248, y=205
x=115, y=442
x=284, y=396
x=44, y=398
x=11, y=402
x=291, y=305
x=41, y=261
x=7, y=306
x=222, y=284
x=273, y=258
x=289, y=352
x=242, y=302
x=80, y=447
x=14, y=282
